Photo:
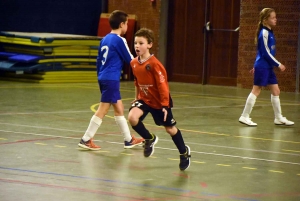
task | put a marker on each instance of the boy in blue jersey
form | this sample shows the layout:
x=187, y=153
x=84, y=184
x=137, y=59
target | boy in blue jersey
x=263, y=69
x=113, y=52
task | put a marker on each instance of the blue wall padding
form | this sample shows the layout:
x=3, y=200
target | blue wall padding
x=24, y=58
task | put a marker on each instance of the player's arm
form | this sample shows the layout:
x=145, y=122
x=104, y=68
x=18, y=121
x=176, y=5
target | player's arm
x=124, y=51
x=264, y=48
x=137, y=89
x=160, y=76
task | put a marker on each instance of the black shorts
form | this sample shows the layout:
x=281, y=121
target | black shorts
x=157, y=114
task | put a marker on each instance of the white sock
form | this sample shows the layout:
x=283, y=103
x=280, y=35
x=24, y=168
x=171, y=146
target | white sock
x=95, y=123
x=276, y=106
x=123, y=126
x=249, y=105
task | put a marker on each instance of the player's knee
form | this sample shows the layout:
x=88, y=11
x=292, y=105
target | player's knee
x=276, y=93
x=133, y=120
x=172, y=130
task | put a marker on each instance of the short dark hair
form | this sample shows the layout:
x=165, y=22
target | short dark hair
x=116, y=18
x=147, y=33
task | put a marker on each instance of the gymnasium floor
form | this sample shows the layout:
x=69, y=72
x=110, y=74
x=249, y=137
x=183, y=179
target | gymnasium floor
x=41, y=125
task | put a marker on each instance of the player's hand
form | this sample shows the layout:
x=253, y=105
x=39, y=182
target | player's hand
x=281, y=67
x=165, y=111
x=252, y=71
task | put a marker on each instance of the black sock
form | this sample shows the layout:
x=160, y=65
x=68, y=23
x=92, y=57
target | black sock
x=142, y=131
x=178, y=141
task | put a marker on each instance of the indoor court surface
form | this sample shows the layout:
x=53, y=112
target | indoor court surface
x=41, y=125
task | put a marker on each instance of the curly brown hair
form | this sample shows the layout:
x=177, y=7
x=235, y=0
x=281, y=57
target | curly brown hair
x=147, y=33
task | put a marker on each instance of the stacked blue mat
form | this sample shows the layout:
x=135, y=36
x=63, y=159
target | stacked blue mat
x=23, y=52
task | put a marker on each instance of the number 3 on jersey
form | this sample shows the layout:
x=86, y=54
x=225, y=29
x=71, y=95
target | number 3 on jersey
x=105, y=49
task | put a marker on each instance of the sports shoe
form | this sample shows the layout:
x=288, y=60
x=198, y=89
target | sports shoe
x=89, y=145
x=283, y=121
x=247, y=121
x=185, y=159
x=149, y=146
x=134, y=141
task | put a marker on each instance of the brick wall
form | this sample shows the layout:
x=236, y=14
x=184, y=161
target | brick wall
x=148, y=14
x=286, y=33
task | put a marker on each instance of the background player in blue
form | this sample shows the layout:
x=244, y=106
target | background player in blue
x=113, y=52
x=263, y=69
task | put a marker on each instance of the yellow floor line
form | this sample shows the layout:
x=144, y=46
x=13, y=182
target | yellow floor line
x=127, y=154
x=40, y=143
x=198, y=162
x=249, y=168
x=275, y=171
x=153, y=157
x=173, y=159
x=59, y=146
x=223, y=165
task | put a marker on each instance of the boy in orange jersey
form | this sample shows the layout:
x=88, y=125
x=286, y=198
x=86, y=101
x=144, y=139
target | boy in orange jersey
x=153, y=95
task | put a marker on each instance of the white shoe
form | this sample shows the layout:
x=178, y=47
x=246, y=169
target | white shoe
x=283, y=121
x=247, y=121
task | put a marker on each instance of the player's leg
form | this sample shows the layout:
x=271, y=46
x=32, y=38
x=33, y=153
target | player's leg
x=260, y=79
x=137, y=113
x=279, y=119
x=129, y=140
x=250, y=102
x=106, y=90
x=95, y=122
x=175, y=133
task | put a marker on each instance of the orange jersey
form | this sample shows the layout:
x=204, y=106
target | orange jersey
x=151, y=82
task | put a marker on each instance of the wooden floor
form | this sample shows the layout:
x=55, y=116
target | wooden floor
x=41, y=125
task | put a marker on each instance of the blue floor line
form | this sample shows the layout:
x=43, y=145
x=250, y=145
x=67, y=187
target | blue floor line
x=99, y=179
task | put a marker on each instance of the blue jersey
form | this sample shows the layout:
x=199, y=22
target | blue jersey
x=266, y=50
x=112, y=54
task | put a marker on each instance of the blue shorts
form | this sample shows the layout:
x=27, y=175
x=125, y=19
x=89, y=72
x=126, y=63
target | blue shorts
x=157, y=114
x=110, y=91
x=264, y=77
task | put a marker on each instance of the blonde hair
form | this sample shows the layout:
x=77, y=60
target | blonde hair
x=263, y=15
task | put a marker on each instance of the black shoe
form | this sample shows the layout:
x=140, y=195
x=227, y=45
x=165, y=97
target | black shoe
x=185, y=159
x=149, y=146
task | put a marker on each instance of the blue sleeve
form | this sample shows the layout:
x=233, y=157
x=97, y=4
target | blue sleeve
x=124, y=51
x=266, y=43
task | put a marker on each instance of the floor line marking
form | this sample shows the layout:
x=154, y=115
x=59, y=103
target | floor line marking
x=97, y=179
x=250, y=168
x=198, y=152
x=198, y=162
x=60, y=146
x=40, y=143
x=223, y=165
x=21, y=141
x=127, y=154
x=76, y=189
x=291, y=150
x=275, y=171
x=173, y=159
x=193, y=131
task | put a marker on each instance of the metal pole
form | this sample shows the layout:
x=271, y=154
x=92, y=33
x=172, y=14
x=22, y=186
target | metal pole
x=298, y=61
x=163, y=33
x=204, y=46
